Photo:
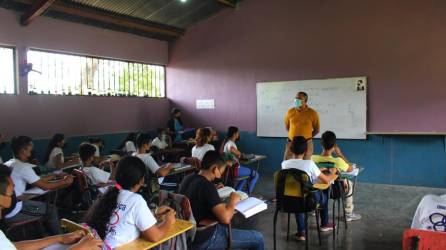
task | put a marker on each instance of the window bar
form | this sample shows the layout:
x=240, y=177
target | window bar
x=140, y=81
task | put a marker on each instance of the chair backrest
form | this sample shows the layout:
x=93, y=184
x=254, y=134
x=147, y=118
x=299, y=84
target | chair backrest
x=293, y=191
x=414, y=239
x=81, y=180
x=182, y=207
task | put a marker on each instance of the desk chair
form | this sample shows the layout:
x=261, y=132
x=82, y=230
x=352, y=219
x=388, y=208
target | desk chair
x=88, y=193
x=182, y=207
x=25, y=230
x=294, y=195
x=414, y=239
x=337, y=194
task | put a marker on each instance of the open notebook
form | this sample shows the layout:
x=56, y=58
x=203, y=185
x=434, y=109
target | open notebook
x=226, y=191
x=251, y=206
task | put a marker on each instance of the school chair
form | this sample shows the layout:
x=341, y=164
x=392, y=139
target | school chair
x=25, y=230
x=337, y=194
x=87, y=193
x=294, y=194
x=182, y=207
x=415, y=239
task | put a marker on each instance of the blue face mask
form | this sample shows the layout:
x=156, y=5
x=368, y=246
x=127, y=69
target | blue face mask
x=297, y=103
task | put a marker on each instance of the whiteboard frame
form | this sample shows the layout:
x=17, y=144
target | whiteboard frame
x=366, y=133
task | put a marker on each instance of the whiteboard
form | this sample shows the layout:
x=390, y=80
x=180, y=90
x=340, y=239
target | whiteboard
x=340, y=102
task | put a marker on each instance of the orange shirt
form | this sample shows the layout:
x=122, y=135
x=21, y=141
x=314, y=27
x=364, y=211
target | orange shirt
x=301, y=122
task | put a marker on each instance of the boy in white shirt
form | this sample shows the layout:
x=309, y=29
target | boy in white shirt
x=97, y=176
x=143, y=142
x=162, y=140
x=128, y=145
x=78, y=238
x=298, y=148
x=23, y=174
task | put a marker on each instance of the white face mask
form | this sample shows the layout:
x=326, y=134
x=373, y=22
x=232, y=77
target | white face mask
x=164, y=137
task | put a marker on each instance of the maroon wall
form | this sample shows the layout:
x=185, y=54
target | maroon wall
x=398, y=44
x=42, y=115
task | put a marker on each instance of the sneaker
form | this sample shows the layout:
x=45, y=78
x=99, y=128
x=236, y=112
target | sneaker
x=300, y=236
x=353, y=217
x=327, y=228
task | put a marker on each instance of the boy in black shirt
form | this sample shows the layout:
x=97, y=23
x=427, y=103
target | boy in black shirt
x=207, y=207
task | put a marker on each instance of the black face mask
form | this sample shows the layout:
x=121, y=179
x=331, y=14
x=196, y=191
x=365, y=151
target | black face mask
x=6, y=211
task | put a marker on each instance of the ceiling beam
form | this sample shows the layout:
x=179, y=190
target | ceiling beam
x=37, y=9
x=227, y=3
x=115, y=19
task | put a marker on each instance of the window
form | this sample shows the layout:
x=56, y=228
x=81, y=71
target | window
x=65, y=74
x=7, y=70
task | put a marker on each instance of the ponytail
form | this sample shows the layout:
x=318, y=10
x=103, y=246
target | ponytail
x=130, y=171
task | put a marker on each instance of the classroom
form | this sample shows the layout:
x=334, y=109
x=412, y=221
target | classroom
x=222, y=124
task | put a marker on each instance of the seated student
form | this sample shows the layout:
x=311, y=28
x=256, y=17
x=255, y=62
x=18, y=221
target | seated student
x=128, y=144
x=78, y=240
x=229, y=147
x=161, y=141
x=328, y=142
x=298, y=148
x=208, y=207
x=121, y=215
x=54, y=157
x=430, y=213
x=143, y=142
x=97, y=177
x=22, y=175
x=98, y=144
x=202, y=139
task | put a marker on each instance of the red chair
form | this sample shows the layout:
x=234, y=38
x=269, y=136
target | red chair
x=414, y=239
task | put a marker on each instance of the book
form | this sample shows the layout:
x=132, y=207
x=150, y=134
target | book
x=35, y=191
x=251, y=206
x=226, y=191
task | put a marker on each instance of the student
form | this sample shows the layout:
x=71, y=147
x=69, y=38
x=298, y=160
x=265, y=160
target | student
x=121, y=215
x=298, y=148
x=143, y=142
x=161, y=141
x=175, y=125
x=430, y=213
x=229, y=147
x=97, y=177
x=128, y=145
x=98, y=143
x=329, y=146
x=208, y=207
x=23, y=175
x=203, y=138
x=81, y=241
x=54, y=157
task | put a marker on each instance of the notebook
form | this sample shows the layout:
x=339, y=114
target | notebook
x=251, y=206
x=226, y=191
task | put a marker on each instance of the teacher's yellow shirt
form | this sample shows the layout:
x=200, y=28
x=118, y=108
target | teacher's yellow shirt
x=301, y=122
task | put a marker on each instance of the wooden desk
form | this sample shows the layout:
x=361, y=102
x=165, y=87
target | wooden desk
x=181, y=168
x=178, y=228
x=256, y=159
x=323, y=186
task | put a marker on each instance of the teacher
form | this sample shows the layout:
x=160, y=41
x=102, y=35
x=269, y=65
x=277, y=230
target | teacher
x=301, y=120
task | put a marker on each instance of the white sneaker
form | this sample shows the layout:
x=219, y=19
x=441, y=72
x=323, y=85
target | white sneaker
x=353, y=217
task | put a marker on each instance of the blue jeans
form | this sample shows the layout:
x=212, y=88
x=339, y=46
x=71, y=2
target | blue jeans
x=321, y=198
x=241, y=239
x=254, y=176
